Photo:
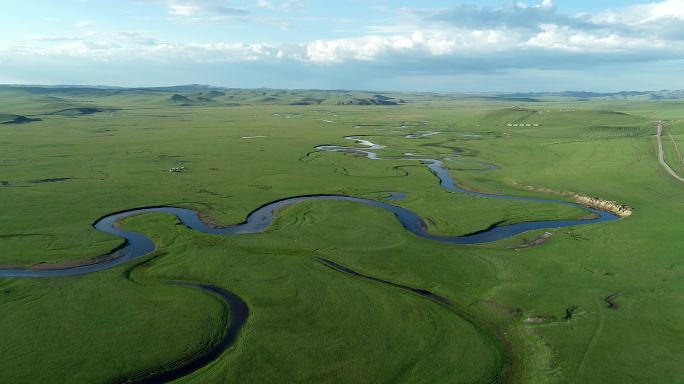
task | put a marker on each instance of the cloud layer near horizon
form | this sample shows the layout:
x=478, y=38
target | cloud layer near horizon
x=440, y=41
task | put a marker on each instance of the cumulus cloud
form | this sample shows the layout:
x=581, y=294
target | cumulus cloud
x=132, y=46
x=423, y=45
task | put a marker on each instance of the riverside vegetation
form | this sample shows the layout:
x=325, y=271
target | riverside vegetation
x=337, y=291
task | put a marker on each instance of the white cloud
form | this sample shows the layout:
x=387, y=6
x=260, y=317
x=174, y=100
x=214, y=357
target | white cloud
x=201, y=9
x=663, y=19
x=641, y=14
x=519, y=15
x=183, y=10
x=53, y=38
x=563, y=38
x=83, y=24
x=417, y=44
x=265, y=4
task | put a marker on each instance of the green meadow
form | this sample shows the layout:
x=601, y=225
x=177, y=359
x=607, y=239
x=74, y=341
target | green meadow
x=597, y=303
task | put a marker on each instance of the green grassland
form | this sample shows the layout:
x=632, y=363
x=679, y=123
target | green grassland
x=528, y=315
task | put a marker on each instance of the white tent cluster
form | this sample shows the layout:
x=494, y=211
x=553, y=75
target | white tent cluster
x=522, y=124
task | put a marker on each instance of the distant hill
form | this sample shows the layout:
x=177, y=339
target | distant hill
x=180, y=88
x=212, y=94
x=373, y=100
x=16, y=119
x=199, y=98
x=506, y=98
x=180, y=99
x=79, y=111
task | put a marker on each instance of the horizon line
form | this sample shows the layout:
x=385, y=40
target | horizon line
x=198, y=85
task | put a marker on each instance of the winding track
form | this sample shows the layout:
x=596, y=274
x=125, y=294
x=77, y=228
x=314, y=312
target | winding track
x=503, y=375
x=138, y=245
x=661, y=154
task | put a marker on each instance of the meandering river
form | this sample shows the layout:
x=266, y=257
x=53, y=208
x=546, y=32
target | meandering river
x=138, y=244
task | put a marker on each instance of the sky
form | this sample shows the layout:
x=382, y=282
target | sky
x=391, y=45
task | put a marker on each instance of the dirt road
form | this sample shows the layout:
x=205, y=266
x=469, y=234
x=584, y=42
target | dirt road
x=661, y=154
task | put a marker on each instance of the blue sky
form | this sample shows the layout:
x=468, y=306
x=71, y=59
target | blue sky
x=431, y=45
